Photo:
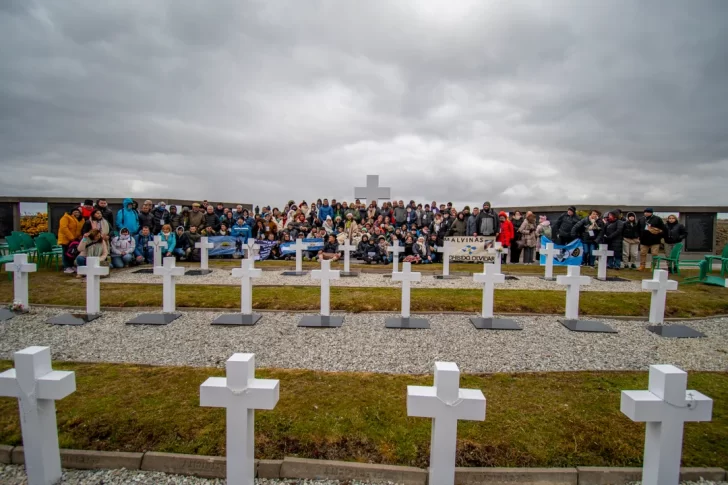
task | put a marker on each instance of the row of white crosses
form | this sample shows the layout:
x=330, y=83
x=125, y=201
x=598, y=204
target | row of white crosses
x=665, y=407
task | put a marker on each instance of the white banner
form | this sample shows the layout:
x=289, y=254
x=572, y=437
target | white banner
x=471, y=249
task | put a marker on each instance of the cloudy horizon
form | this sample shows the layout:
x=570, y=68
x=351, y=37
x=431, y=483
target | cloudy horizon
x=519, y=102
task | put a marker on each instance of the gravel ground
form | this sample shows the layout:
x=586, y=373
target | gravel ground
x=15, y=475
x=275, y=278
x=363, y=344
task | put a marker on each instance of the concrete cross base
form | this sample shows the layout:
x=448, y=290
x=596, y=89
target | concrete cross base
x=446, y=277
x=144, y=271
x=401, y=322
x=73, y=318
x=587, y=326
x=294, y=273
x=612, y=278
x=495, y=324
x=547, y=279
x=320, y=321
x=349, y=274
x=675, y=331
x=198, y=272
x=6, y=314
x=154, y=319
x=237, y=319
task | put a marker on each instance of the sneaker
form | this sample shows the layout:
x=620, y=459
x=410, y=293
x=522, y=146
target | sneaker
x=68, y=271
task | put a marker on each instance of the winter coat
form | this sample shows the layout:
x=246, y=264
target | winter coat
x=331, y=247
x=544, y=229
x=127, y=218
x=458, y=228
x=631, y=229
x=528, y=233
x=211, y=220
x=423, y=251
x=88, y=248
x=613, y=235
x=176, y=220
x=400, y=215
x=160, y=217
x=171, y=241
x=146, y=219
x=674, y=233
x=197, y=219
x=506, y=232
x=411, y=217
x=142, y=242
x=426, y=218
x=472, y=226
x=517, y=224
x=582, y=228
x=561, y=231
x=440, y=230
x=324, y=211
x=646, y=237
x=122, y=245
x=488, y=224
x=366, y=247
x=241, y=231
x=108, y=215
x=69, y=229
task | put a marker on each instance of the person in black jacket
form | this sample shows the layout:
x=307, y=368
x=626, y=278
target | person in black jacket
x=330, y=250
x=561, y=230
x=631, y=242
x=103, y=206
x=613, y=235
x=652, y=229
x=487, y=223
x=160, y=216
x=589, y=230
x=517, y=220
x=675, y=233
x=145, y=216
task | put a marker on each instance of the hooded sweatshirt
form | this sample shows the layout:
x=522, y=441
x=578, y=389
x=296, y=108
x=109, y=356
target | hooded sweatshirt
x=506, y=230
x=122, y=244
x=127, y=218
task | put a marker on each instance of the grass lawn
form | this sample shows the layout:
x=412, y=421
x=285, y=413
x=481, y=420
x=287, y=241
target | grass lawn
x=50, y=287
x=548, y=419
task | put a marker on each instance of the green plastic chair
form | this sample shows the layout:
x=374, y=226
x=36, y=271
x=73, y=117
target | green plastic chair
x=723, y=259
x=51, y=238
x=672, y=260
x=705, y=278
x=46, y=254
x=15, y=245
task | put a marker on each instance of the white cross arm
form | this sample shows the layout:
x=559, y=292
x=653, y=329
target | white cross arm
x=656, y=285
x=260, y=393
x=423, y=402
x=489, y=277
x=644, y=406
x=55, y=385
x=568, y=280
x=406, y=276
x=91, y=270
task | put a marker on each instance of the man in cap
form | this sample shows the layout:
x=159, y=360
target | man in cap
x=651, y=229
x=197, y=216
x=487, y=222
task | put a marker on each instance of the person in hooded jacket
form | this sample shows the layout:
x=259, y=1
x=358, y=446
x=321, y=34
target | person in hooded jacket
x=675, y=233
x=422, y=250
x=631, y=242
x=505, y=236
x=175, y=219
x=160, y=217
x=589, y=230
x=561, y=230
x=459, y=226
x=614, y=236
x=69, y=230
x=515, y=253
x=122, y=249
x=127, y=217
x=652, y=229
x=487, y=223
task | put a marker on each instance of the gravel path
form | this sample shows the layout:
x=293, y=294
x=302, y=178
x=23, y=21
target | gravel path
x=275, y=278
x=15, y=475
x=363, y=344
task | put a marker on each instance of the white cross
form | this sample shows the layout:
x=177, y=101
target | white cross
x=659, y=284
x=241, y=394
x=157, y=243
x=665, y=407
x=445, y=403
x=299, y=247
x=406, y=277
x=249, y=248
x=325, y=274
x=489, y=277
x=37, y=386
x=203, y=246
x=446, y=249
x=602, y=253
x=169, y=271
x=20, y=267
x=347, y=248
x=574, y=281
x=93, y=271
x=372, y=191
x=245, y=273
x=550, y=252
x=497, y=249
x=395, y=250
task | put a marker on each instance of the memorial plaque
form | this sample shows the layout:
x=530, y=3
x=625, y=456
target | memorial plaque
x=6, y=219
x=700, y=232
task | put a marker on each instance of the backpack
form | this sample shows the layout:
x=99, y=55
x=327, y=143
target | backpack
x=547, y=231
x=72, y=250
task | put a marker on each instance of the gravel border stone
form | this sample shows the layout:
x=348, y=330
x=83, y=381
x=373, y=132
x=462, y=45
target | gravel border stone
x=363, y=344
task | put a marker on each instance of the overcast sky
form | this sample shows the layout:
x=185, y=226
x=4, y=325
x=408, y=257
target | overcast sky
x=516, y=102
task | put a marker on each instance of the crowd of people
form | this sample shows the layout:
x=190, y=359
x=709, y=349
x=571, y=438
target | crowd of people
x=123, y=238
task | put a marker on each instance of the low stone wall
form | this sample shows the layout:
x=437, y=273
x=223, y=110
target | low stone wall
x=299, y=468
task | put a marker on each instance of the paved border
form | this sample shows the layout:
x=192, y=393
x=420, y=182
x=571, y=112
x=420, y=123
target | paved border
x=301, y=468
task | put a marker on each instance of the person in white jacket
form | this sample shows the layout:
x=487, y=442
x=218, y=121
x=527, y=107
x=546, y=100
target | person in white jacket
x=122, y=249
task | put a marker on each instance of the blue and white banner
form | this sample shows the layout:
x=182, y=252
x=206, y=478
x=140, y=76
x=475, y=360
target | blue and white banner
x=225, y=245
x=314, y=244
x=569, y=255
x=265, y=248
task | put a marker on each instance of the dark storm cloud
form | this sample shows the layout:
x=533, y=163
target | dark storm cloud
x=514, y=102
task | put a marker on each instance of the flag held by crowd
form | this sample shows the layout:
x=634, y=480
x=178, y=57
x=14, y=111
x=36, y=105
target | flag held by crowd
x=569, y=255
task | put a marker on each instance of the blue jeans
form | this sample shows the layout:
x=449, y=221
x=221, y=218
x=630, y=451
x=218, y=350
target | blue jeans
x=118, y=261
x=179, y=252
x=589, y=253
x=80, y=260
x=147, y=255
x=615, y=262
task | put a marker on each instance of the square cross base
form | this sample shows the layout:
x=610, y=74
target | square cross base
x=675, y=331
x=587, y=326
x=405, y=323
x=198, y=272
x=237, y=319
x=154, y=319
x=320, y=321
x=6, y=314
x=495, y=324
x=73, y=318
x=144, y=271
x=446, y=277
x=294, y=273
x=612, y=278
x=349, y=274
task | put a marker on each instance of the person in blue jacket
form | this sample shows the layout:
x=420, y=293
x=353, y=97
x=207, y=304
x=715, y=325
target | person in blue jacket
x=128, y=217
x=169, y=237
x=326, y=211
x=241, y=229
x=143, y=253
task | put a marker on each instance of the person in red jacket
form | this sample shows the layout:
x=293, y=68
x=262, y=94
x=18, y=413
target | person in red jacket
x=506, y=234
